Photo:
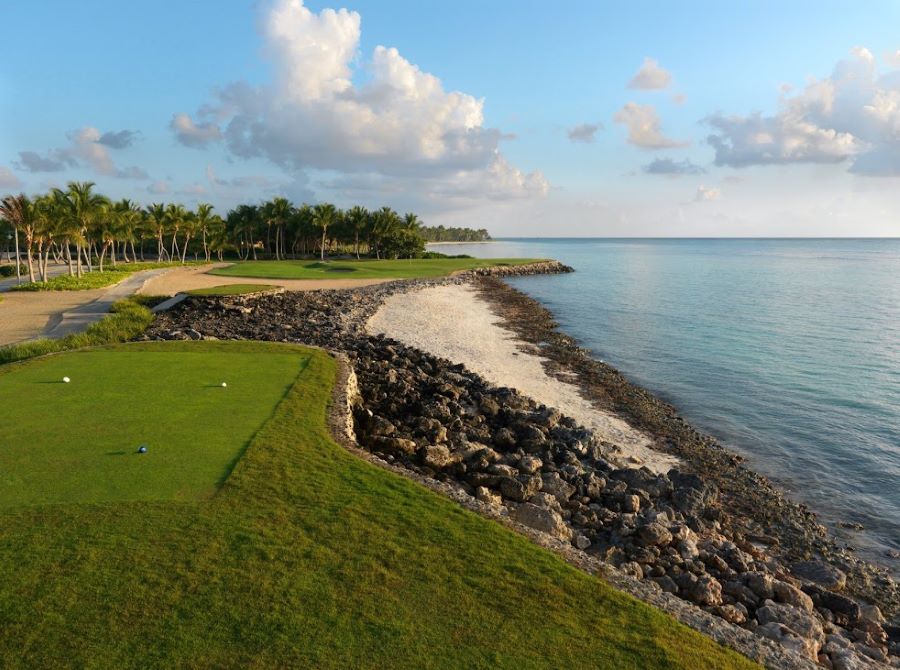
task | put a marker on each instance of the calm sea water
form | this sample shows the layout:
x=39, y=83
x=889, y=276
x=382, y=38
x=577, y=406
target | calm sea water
x=788, y=351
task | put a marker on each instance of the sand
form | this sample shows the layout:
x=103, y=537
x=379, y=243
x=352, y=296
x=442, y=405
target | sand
x=27, y=315
x=454, y=323
x=194, y=277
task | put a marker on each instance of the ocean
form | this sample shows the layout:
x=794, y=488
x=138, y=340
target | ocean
x=787, y=351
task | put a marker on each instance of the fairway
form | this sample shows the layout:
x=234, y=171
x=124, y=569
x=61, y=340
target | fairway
x=232, y=289
x=367, y=269
x=78, y=441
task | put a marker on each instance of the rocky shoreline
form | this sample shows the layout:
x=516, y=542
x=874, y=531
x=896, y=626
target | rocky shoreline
x=727, y=541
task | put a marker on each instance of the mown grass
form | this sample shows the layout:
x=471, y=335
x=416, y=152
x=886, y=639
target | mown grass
x=232, y=289
x=127, y=319
x=96, y=279
x=118, y=400
x=309, y=557
x=367, y=269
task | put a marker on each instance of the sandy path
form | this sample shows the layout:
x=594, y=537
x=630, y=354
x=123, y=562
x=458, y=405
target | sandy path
x=190, y=278
x=26, y=315
x=454, y=323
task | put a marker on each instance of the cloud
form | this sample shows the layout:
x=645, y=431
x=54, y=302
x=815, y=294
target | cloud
x=851, y=116
x=158, y=187
x=892, y=58
x=195, y=190
x=8, y=179
x=118, y=140
x=133, y=172
x=86, y=147
x=667, y=166
x=31, y=161
x=705, y=194
x=191, y=134
x=400, y=121
x=644, y=127
x=584, y=132
x=651, y=77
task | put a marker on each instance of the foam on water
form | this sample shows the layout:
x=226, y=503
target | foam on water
x=788, y=351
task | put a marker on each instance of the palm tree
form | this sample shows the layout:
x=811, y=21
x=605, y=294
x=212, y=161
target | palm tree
x=324, y=215
x=15, y=210
x=205, y=220
x=157, y=220
x=84, y=209
x=357, y=218
x=175, y=217
x=46, y=214
x=277, y=212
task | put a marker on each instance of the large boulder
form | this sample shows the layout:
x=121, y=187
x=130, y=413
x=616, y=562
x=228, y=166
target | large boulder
x=821, y=574
x=542, y=519
x=653, y=535
x=804, y=624
x=556, y=486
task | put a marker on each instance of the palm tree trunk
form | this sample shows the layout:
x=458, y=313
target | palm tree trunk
x=40, y=258
x=187, y=241
x=324, y=232
x=69, y=258
x=205, y=248
x=18, y=267
x=103, y=255
x=78, y=255
x=112, y=252
x=46, y=260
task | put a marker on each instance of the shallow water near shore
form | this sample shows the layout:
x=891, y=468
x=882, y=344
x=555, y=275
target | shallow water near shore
x=788, y=351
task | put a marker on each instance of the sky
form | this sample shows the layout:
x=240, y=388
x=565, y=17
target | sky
x=526, y=118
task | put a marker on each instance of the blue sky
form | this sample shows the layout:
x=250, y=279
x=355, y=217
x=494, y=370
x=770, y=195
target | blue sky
x=486, y=140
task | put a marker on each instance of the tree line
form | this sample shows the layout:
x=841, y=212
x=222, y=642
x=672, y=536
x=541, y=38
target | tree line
x=451, y=234
x=89, y=231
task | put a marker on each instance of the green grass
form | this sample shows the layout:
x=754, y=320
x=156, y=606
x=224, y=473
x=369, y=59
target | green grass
x=96, y=279
x=307, y=557
x=118, y=400
x=127, y=319
x=232, y=289
x=367, y=269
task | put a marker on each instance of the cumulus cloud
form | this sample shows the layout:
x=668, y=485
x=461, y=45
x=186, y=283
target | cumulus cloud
x=118, y=140
x=650, y=77
x=400, y=121
x=86, y=147
x=643, y=126
x=851, y=116
x=191, y=134
x=667, y=166
x=584, y=132
x=31, y=161
x=8, y=179
x=705, y=194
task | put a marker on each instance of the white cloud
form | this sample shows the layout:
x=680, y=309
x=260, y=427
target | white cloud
x=643, y=126
x=8, y=179
x=851, y=116
x=31, y=161
x=400, y=122
x=705, y=194
x=87, y=146
x=584, y=132
x=192, y=134
x=667, y=166
x=892, y=58
x=650, y=77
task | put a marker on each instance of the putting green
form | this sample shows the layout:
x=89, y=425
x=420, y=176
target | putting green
x=78, y=441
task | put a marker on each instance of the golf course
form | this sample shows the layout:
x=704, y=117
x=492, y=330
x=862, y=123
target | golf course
x=246, y=537
x=362, y=269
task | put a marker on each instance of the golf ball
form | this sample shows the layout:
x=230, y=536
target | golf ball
x=142, y=449
x=224, y=384
x=66, y=380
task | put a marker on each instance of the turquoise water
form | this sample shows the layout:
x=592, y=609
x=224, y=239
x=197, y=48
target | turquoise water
x=788, y=351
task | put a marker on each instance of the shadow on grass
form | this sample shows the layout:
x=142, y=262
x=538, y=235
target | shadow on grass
x=240, y=454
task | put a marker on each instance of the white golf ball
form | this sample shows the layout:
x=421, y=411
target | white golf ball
x=224, y=384
x=66, y=380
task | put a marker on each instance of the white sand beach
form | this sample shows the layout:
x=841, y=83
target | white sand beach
x=453, y=322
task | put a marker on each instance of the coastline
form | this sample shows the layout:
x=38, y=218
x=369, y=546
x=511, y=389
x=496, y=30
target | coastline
x=762, y=533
